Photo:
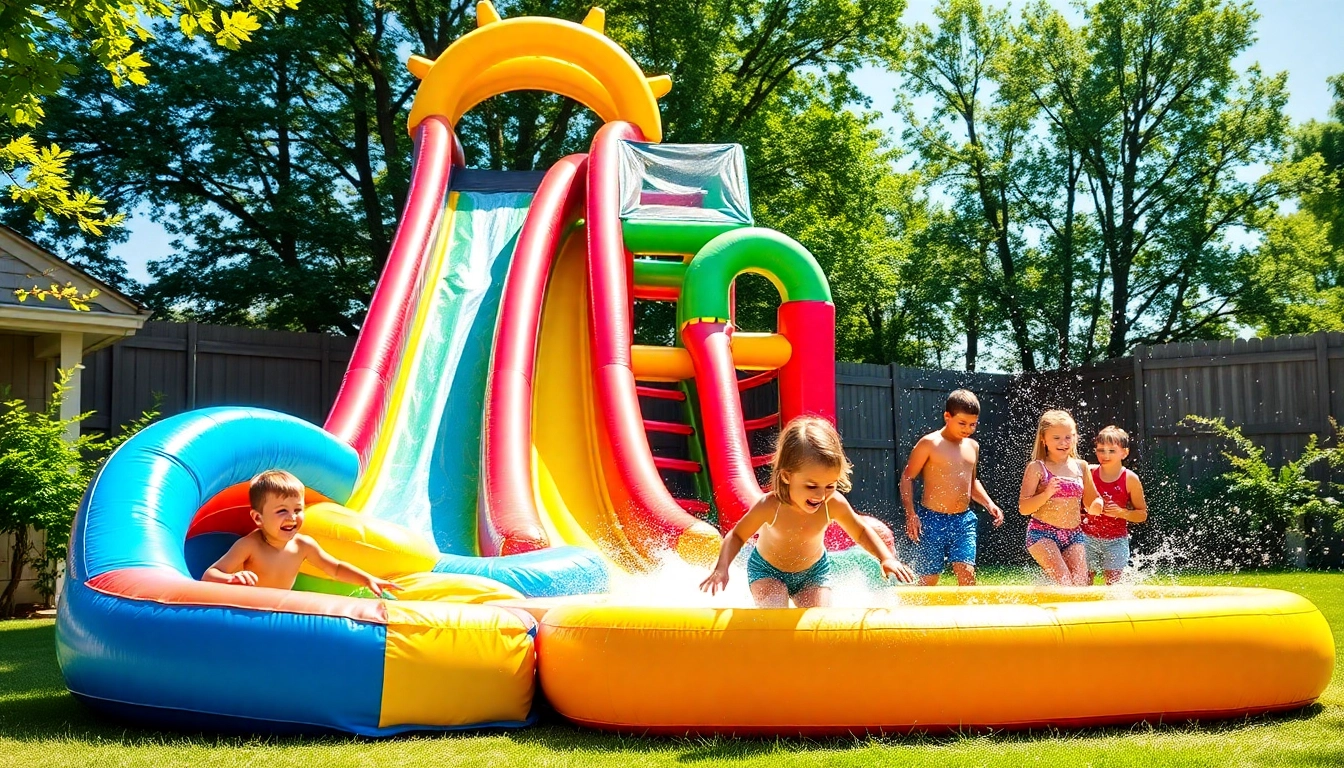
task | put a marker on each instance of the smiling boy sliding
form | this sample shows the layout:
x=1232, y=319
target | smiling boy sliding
x=271, y=555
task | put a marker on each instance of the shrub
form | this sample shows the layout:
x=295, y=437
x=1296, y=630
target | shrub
x=1259, y=506
x=42, y=479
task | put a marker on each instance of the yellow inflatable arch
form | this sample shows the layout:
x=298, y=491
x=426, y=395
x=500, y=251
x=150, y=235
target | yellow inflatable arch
x=574, y=60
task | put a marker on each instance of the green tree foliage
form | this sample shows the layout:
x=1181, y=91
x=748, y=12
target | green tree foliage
x=1293, y=280
x=969, y=143
x=42, y=479
x=1326, y=139
x=1296, y=277
x=44, y=43
x=282, y=166
x=1167, y=131
x=279, y=166
x=1104, y=171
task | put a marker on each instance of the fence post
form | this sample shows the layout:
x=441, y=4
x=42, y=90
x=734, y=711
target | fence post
x=324, y=375
x=193, y=339
x=895, y=413
x=1141, y=417
x=1323, y=381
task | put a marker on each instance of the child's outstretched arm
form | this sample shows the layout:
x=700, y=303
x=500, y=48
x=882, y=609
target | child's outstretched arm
x=915, y=465
x=229, y=568
x=1138, y=505
x=1093, y=503
x=341, y=570
x=1028, y=500
x=842, y=513
x=733, y=542
x=981, y=496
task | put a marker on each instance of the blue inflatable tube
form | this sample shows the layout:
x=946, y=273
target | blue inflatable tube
x=138, y=636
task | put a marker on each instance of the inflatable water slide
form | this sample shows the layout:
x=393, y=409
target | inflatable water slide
x=498, y=447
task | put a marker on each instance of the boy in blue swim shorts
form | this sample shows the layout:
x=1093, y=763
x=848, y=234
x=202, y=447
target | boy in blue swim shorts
x=941, y=525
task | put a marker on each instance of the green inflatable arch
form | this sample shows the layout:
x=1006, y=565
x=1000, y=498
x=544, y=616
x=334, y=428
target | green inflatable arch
x=780, y=258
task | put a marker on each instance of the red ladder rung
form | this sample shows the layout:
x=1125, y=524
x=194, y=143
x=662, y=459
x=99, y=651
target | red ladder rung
x=678, y=465
x=668, y=427
x=694, y=506
x=757, y=380
x=761, y=461
x=765, y=422
x=660, y=393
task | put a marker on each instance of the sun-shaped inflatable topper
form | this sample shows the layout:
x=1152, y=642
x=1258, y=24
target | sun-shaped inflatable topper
x=536, y=53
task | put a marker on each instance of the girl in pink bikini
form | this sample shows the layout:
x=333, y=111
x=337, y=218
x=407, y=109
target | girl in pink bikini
x=1055, y=488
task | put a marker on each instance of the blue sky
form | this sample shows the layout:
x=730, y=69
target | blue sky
x=1303, y=37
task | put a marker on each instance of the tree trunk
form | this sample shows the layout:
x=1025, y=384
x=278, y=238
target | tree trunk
x=972, y=330
x=18, y=556
x=1090, y=341
x=1066, y=273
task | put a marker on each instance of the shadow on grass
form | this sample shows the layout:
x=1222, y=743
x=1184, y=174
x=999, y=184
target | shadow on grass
x=556, y=734
x=35, y=707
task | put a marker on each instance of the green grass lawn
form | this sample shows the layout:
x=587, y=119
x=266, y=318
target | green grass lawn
x=42, y=726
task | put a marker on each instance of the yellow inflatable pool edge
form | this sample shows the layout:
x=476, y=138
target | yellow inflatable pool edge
x=1019, y=658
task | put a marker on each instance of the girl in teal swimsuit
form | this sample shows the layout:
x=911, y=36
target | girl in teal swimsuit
x=790, y=560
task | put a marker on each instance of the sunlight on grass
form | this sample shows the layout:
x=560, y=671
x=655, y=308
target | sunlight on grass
x=42, y=726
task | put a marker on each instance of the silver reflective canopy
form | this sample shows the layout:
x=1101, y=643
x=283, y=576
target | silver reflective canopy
x=684, y=182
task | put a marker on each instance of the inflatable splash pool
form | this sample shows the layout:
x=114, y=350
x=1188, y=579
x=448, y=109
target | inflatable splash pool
x=944, y=659
x=502, y=448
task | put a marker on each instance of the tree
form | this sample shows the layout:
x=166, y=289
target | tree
x=282, y=166
x=1292, y=280
x=1166, y=130
x=1295, y=279
x=958, y=65
x=42, y=479
x=37, y=55
x=1326, y=139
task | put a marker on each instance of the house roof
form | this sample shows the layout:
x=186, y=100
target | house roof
x=24, y=264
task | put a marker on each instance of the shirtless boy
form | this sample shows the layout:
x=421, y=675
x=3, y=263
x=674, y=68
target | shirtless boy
x=942, y=525
x=271, y=555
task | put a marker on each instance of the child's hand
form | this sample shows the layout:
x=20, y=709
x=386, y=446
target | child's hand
x=1112, y=509
x=995, y=514
x=912, y=527
x=715, y=583
x=378, y=586
x=895, y=568
x=246, y=578
x=1052, y=487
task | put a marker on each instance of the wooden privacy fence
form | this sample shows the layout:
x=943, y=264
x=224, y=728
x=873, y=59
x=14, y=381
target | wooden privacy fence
x=1280, y=391
x=191, y=366
x=883, y=410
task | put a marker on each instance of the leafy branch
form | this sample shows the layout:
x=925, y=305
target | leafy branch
x=36, y=58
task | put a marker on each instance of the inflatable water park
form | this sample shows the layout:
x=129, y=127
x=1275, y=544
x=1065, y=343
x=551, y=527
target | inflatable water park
x=491, y=450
